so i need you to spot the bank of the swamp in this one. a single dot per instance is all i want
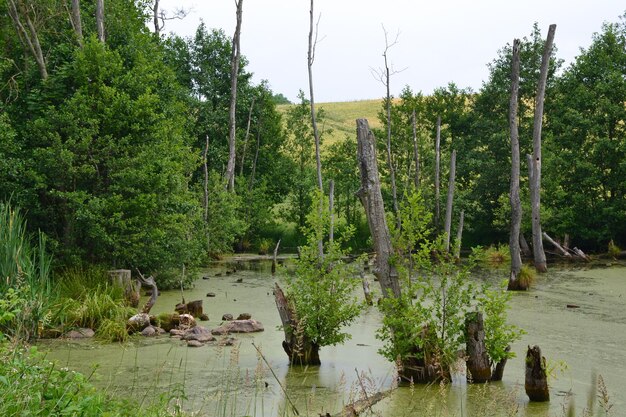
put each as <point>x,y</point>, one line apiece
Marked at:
<point>590,338</point>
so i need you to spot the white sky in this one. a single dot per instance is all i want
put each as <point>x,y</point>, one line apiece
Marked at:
<point>440,41</point>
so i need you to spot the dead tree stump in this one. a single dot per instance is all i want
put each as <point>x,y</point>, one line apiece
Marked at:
<point>297,346</point>
<point>478,363</point>
<point>536,383</point>
<point>122,278</point>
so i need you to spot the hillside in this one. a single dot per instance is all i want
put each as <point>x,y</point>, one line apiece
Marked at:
<point>340,117</point>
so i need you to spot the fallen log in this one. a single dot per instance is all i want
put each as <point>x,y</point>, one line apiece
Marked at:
<point>558,247</point>
<point>356,408</point>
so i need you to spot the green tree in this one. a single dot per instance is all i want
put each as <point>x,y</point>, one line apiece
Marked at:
<point>586,143</point>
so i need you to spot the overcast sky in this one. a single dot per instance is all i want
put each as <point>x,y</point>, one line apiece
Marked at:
<point>439,40</point>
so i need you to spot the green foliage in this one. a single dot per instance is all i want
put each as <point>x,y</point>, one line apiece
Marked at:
<point>437,297</point>
<point>498,334</point>
<point>613,249</point>
<point>321,290</point>
<point>495,255</point>
<point>25,290</point>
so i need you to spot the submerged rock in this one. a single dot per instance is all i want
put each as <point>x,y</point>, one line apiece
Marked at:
<point>244,316</point>
<point>227,317</point>
<point>239,326</point>
<point>194,343</point>
<point>80,333</point>
<point>227,341</point>
<point>199,333</point>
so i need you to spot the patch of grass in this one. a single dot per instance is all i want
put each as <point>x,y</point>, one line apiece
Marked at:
<point>497,255</point>
<point>340,118</point>
<point>527,276</point>
<point>113,330</point>
<point>613,250</point>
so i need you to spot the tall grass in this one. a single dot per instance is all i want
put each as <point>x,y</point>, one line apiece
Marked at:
<point>25,286</point>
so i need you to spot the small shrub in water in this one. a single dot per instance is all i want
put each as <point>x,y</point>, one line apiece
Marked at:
<point>526,276</point>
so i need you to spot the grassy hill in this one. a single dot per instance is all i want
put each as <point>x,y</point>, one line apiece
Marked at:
<point>340,117</point>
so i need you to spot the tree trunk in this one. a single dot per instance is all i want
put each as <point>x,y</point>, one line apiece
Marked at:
<point>372,200</point>
<point>514,198</point>
<point>331,210</point>
<point>121,278</point>
<point>536,381</point>
<point>498,372</point>
<point>366,290</point>
<point>245,140</point>
<point>523,244</point>
<point>205,169</point>
<point>558,247</point>
<point>316,136</point>
<point>296,345</point>
<point>392,172</point>
<point>448,224</point>
<point>437,169</point>
<point>155,17</point>
<point>234,73</point>
<point>415,152</point>
<point>100,20</point>
<point>535,184</point>
<point>478,364</point>
<point>149,282</point>
<point>459,236</point>
<point>76,22</point>
<point>274,258</point>
<point>30,38</point>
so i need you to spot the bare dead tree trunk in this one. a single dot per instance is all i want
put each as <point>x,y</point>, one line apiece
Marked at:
<point>558,247</point>
<point>76,21</point>
<point>478,364</point>
<point>415,152</point>
<point>331,210</point>
<point>274,260</point>
<point>30,38</point>
<point>366,290</point>
<point>205,168</point>
<point>100,20</point>
<point>536,380</point>
<point>149,282</point>
<point>498,371</point>
<point>514,198</point>
<point>245,140</point>
<point>448,223</point>
<point>523,244</point>
<point>316,136</point>
<point>256,156</point>
<point>392,171</point>
<point>234,72</point>
<point>535,185</point>
<point>437,169</point>
<point>459,236</point>
<point>155,16</point>
<point>372,200</point>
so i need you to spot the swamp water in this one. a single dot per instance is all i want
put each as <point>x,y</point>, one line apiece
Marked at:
<point>234,381</point>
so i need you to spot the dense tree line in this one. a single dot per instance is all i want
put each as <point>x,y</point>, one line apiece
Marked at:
<point>115,142</point>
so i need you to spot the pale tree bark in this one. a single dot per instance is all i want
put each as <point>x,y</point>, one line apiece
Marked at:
<point>415,152</point>
<point>234,72</point>
<point>331,210</point>
<point>100,20</point>
<point>437,170</point>
<point>29,38</point>
<point>535,185</point>
<point>76,21</point>
<point>205,168</point>
<point>155,17</point>
<point>514,198</point>
<point>459,235</point>
<point>245,139</point>
<point>316,135</point>
<point>448,223</point>
<point>372,200</point>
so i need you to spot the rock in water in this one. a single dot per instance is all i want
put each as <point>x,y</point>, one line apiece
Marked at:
<point>80,333</point>
<point>239,326</point>
<point>149,331</point>
<point>244,316</point>
<point>194,343</point>
<point>138,322</point>
<point>199,333</point>
<point>227,317</point>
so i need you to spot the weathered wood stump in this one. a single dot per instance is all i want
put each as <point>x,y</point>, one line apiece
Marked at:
<point>478,363</point>
<point>498,372</point>
<point>423,367</point>
<point>297,346</point>
<point>536,383</point>
<point>122,278</point>
<point>193,307</point>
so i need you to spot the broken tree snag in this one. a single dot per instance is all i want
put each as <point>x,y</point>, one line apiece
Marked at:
<point>234,71</point>
<point>536,383</point>
<point>122,278</point>
<point>422,367</point>
<point>556,245</point>
<point>459,236</point>
<point>535,184</point>
<point>149,282</point>
<point>100,20</point>
<point>366,290</point>
<point>372,200</point>
<point>498,372</point>
<point>514,198</point>
<point>274,258</point>
<point>437,169</point>
<point>478,363</point>
<point>298,348</point>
